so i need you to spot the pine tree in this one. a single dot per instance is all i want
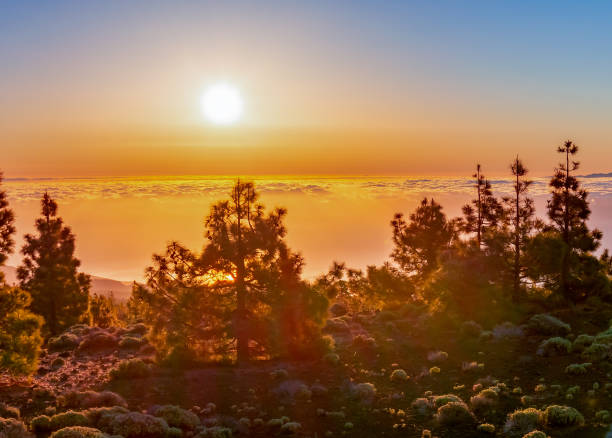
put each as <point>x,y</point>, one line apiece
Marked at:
<point>484,212</point>
<point>20,338</point>
<point>243,295</point>
<point>419,242</point>
<point>49,271</point>
<point>568,210</point>
<point>520,213</point>
<point>7,228</point>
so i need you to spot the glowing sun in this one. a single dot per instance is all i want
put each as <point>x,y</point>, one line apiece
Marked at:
<point>222,104</point>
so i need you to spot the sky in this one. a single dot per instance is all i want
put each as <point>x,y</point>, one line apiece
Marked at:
<point>113,88</point>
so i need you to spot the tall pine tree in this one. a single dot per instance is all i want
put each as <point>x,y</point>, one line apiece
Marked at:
<point>49,271</point>
<point>568,210</point>
<point>520,212</point>
<point>485,210</point>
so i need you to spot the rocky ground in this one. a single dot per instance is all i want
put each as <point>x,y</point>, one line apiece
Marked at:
<point>390,374</point>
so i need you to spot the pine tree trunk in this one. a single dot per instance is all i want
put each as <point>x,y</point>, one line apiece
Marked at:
<point>242,338</point>
<point>517,243</point>
<point>566,239</point>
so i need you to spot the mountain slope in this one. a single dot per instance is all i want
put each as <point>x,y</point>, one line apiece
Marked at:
<point>99,285</point>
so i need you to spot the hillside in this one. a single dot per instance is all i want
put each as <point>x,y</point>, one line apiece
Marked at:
<point>99,285</point>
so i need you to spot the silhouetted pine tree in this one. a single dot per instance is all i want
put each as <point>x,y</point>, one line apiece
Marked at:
<point>419,242</point>
<point>7,228</point>
<point>243,294</point>
<point>49,271</point>
<point>568,210</point>
<point>484,212</point>
<point>520,213</point>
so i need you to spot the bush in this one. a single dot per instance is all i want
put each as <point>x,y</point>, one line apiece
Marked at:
<point>138,425</point>
<point>582,342</point>
<point>486,428</point>
<point>364,391</point>
<point>99,340</point>
<point>40,424</point>
<point>453,414</point>
<point>131,343</point>
<point>101,417</point>
<point>177,417</point>
<point>484,401</point>
<point>437,356</point>
<point>562,416</point>
<point>63,342</point>
<point>471,329</point>
<point>13,428</point>
<point>544,324</point>
<point>399,375</point>
<point>90,399</point>
<point>523,421</point>
<point>441,400</point>
<point>535,434</point>
<point>577,369</point>
<point>130,369</point>
<point>216,432</point>
<point>69,418</point>
<point>603,416</point>
<point>78,432</point>
<point>20,338</point>
<point>7,411</point>
<point>597,352</point>
<point>554,347</point>
<point>290,428</point>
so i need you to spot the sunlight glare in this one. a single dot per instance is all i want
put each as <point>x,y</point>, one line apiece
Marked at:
<point>222,104</point>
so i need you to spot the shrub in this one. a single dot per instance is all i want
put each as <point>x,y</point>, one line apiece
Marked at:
<point>40,424</point>
<point>597,352</point>
<point>434,370</point>
<point>364,391</point>
<point>441,400</point>
<point>535,434</point>
<point>555,346</point>
<point>577,369</point>
<point>215,432</point>
<point>279,374</point>
<point>454,413</point>
<point>486,428</point>
<point>63,342</point>
<point>101,417</point>
<point>7,411</point>
<point>78,432</point>
<point>399,375</point>
<point>471,329</point>
<point>484,400</point>
<point>290,428</point>
<point>523,421</point>
<point>90,399</point>
<point>69,418</point>
<point>98,341</point>
<point>336,325</point>
<point>177,417</point>
<point>332,358</point>
<point>130,369</point>
<point>131,343</point>
<point>13,428</point>
<point>437,356</point>
<point>507,330</point>
<point>544,324</point>
<point>603,416</point>
<point>138,425</point>
<point>582,342</point>
<point>562,416</point>
<point>364,342</point>
<point>422,406</point>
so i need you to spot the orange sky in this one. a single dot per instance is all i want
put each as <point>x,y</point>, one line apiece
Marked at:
<point>89,89</point>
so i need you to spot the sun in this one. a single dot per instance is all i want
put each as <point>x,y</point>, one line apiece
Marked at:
<point>222,104</point>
